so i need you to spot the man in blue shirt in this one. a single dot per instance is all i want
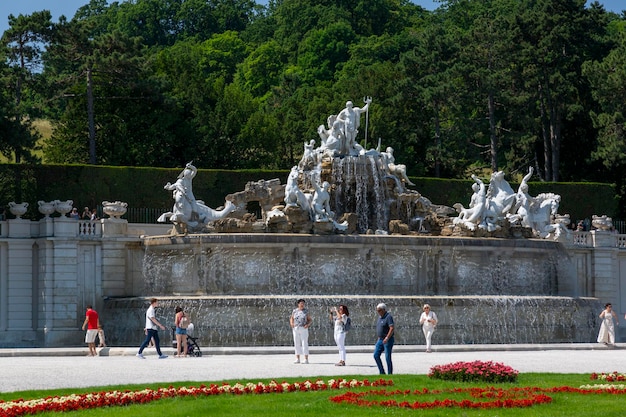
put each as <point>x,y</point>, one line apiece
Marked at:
<point>384,331</point>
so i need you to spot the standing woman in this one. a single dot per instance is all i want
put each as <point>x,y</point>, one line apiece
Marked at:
<point>340,318</point>
<point>607,329</point>
<point>181,321</point>
<point>428,320</point>
<point>300,322</point>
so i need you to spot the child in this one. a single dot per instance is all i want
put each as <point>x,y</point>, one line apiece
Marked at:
<point>101,337</point>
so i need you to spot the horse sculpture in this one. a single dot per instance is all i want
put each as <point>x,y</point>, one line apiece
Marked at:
<point>189,214</point>
<point>542,215</point>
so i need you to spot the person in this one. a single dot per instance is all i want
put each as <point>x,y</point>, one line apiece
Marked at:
<point>350,117</point>
<point>152,330</point>
<point>74,214</point>
<point>181,332</point>
<point>300,320</point>
<point>86,214</point>
<point>91,324</point>
<point>101,337</point>
<point>340,318</point>
<point>607,329</point>
<point>94,215</point>
<point>385,341</point>
<point>428,320</point>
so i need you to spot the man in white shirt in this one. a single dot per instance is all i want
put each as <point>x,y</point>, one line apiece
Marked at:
<point>152,330</point>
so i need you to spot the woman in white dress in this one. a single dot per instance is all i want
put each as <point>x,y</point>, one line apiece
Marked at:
<point>607,329</point>
<point>428,320</point>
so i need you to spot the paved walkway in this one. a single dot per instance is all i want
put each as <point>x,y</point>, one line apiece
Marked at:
<point>24,369</point>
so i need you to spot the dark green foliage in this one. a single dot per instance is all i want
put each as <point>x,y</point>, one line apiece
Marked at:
<point>230,84</point>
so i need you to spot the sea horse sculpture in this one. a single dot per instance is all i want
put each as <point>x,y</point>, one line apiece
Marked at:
<point>189,214</point>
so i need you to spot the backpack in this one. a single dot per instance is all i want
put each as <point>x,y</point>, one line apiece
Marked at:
<point>348,325</point>
<point>183,323</point>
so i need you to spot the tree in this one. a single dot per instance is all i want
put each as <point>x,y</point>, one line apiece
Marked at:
<point>23,42</point>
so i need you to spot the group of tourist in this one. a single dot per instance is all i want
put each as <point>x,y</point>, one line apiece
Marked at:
<point>300,321</point>
<point>87,214</point>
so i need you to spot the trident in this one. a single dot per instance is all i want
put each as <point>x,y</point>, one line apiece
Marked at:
<point>366,100</point>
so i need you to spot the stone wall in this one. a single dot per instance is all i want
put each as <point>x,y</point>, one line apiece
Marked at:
<point>51,269</point>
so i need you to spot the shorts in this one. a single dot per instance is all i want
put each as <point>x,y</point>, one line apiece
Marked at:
<point>90,336</point>
<point>181,331</point>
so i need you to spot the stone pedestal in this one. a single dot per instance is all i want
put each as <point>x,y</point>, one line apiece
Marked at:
<point>46,227</point>
<point>114,227</point>
<point>19,228</point>
<point>65,227</point>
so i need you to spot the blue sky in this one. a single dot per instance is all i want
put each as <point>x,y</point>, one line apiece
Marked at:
<point>69,7</point>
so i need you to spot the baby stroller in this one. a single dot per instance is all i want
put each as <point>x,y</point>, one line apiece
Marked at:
<point>192,345</point>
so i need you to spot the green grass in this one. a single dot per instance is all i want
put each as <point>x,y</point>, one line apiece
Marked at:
<point>310,404</point>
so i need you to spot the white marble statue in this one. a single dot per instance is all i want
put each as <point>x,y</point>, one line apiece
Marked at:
<point>350,117</point>
<point>321,202</point>
<point>293,195</point>
<point>309,157</point>
<point>189,213</point>
<point>399,170</point>
<point>524,203</point>
<point>472,216</point>
<point>487,210</point>
<point>542,216</point>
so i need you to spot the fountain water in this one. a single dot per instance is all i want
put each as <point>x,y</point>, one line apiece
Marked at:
<point>240,288</point>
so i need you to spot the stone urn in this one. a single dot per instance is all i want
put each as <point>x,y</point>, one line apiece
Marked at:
<point>63,207</point>
<point>115,210</point>
<point>46,207</point>
<point>603,222</point>
<point>18,209</point>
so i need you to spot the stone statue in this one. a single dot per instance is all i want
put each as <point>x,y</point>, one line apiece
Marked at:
<point>309,157</point>
<point>189,214</point>
<point>524,202</point>
<point>350,117</point>
<point>472,216</point>
<point>321,202</point>
<point>392,168</point>
<point>542,216</point>
<point>293,195</point>
<point>334,142</point>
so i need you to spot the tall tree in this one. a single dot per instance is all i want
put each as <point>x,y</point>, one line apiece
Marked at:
<point>24,43</point>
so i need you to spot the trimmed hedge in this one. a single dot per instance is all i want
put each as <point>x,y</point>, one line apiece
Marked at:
<point>89,185</point>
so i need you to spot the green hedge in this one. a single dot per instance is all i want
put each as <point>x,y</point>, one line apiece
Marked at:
<point>143,187</point>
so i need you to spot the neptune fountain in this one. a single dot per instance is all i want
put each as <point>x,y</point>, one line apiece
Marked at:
<point>346,228</point>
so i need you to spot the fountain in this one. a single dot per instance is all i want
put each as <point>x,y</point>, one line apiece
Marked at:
<point>345,228</point>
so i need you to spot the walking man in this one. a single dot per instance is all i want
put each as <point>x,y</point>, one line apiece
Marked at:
<point>91,324</point>
<point>384,331</point>
<point>152,331</point>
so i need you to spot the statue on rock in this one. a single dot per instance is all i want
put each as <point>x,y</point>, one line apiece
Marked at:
<point>472,216</point>
<point>189,214</point>
<point>350,118</point>
<point>500,204</point>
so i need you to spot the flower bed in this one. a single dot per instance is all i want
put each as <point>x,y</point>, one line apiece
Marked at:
<point>117,398</point>
<point>610,377</point>
<point>483,398</point>
<point>477,371</point>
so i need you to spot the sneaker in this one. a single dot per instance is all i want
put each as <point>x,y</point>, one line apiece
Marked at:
<point>140,356</point>
<point>296,361</point>
<point>162,356</point>
<point>306,361</point>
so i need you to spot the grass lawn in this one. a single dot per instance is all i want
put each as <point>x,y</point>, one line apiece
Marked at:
<point>317,403</point>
